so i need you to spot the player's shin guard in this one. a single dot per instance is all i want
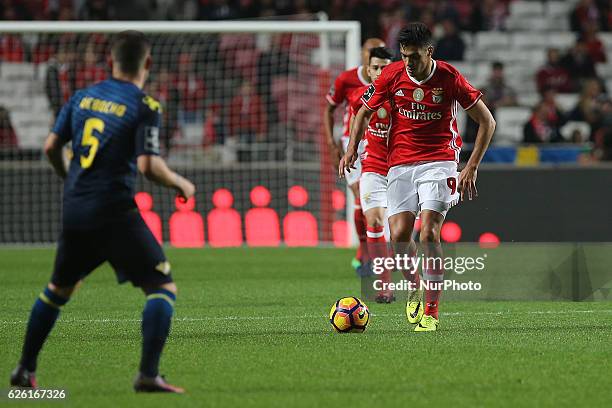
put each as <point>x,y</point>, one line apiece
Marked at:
<point>377,249</point>
<point>360,227</point>
<point>44,313</point>
<point>156,319</point>
<point>434,279</point>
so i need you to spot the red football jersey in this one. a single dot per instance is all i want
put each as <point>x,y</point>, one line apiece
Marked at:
<point>424,113</point>
<point>341,89</point>
<point>374,157</point>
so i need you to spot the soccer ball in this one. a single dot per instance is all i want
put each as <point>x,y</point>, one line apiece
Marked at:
<point>349,315</point>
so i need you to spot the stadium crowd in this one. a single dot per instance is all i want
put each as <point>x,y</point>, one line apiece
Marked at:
<point>187,95</point>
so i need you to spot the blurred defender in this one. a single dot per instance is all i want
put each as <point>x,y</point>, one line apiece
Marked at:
<point>339,93</point>
<point>113,129</point>
<point>374,167</point>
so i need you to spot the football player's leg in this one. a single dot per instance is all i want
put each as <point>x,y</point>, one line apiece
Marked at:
<point>378,249</point>
<point>136,256</point>
<point>360,225</point>
<point>433,272</point>
<point>75,258</point>
<point>43,315</point>
<point>437,194</point>
<point>156,320</point>
<point>373,189</point>
<point>402,199</point>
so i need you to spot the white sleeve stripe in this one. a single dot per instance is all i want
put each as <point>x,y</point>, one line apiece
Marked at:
<point>474,103</point>
<point>366,105</point>
<point>330,100</point>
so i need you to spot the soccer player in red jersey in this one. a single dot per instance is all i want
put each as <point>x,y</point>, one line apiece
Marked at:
<point>338,94</point>
<point>374,168</point>
<point>424,146</point>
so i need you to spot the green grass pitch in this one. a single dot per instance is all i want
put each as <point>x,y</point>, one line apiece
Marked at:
<point>251,329</point>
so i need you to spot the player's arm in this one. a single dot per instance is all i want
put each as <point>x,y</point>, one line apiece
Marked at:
<point>58,137</point>
<point>335,97</point>
<point>54,151</point>
<point>149,163</point>
<point>155,169</point>
<point>359,125</point>
<point>486,126</point>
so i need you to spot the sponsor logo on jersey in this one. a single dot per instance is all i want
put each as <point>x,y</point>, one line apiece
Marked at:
<point>418,94</point>
<point>399,93</point>
<point>437,95</point>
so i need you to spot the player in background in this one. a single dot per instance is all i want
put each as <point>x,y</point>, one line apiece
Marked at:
<point>113,129</point>
<point>374,168</point>
<point>344,84</point>
<point>424,146</point>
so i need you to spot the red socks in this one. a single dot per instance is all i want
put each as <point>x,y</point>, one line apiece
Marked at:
<point>377,248</point>
<point>360,227</point>
<point>432,295</point>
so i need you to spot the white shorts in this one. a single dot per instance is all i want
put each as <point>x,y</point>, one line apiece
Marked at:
<point>373,191</point>
<point>355,174</point>
<point>422,186</point>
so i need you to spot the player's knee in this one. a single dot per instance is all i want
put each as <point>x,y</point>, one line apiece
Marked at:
<point>374,219</point>
<point>429,233</point>
<point>170,287</point>
<point>400,234</point>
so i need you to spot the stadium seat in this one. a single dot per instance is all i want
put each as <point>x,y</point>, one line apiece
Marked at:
<point>604,70</point>
<point>466,68</point>
<point>528,100</point>
<point>558,8</point>
<point>489,40</point>
<point>299,227</point>
<point>561,40</point>
<point>532,23</point>
<point>567,102</point>
<point>510,124</point>
<point>526,8</point>
<point>606,39</point>
<point>224,222</point>
<point>144,201</point>
<point>16,70</point>
<point>186,225</point>
<point>526,40</point>
<point>262,225</point>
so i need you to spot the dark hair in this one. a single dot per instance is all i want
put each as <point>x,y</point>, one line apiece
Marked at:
<point>129,50</point>
<point>497,65</point>
<point>381,52</point>
<point>415,34</point>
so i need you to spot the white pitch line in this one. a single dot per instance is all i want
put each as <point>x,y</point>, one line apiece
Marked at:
<point>201,319</point>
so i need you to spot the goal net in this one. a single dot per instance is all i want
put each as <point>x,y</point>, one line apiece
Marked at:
<point>242,108</point>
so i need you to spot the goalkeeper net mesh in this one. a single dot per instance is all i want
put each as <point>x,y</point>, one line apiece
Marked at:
<point>242,119</point>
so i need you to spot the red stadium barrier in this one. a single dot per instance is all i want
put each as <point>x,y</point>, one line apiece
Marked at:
<point>300,227</point>
<point>186,225</point>
<point>262,225</point>
<point>144,201</point>
<point>224,222</point>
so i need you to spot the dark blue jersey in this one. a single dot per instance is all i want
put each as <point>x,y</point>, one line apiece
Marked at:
<point>109,125</point>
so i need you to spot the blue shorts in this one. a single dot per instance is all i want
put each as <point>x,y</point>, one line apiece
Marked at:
<point>125,242</point>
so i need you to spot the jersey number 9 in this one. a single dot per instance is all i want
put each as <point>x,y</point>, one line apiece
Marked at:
<point>90,140</point>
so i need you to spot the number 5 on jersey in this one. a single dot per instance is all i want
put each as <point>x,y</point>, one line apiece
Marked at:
<point>90,140</point>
